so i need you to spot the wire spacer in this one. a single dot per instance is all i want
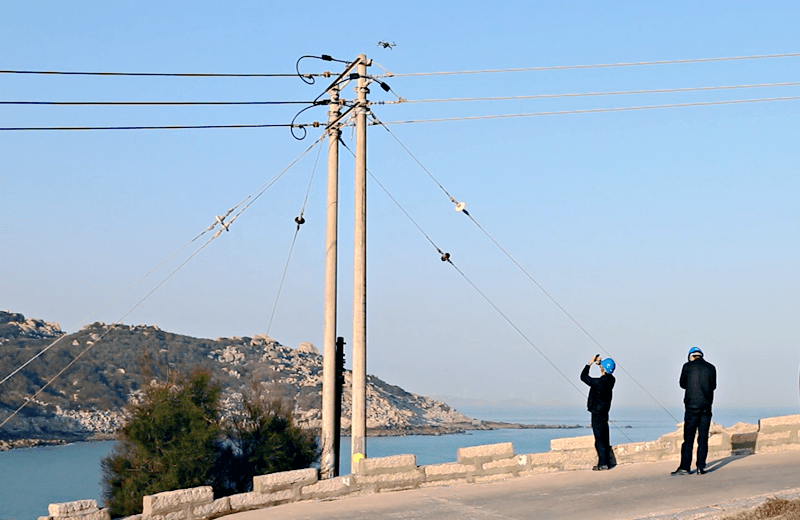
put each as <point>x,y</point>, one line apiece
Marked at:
<point>460,206</point>
<point>300,220</point>
<point>445,257</point>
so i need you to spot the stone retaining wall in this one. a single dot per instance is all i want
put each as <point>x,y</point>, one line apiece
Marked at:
<point>474,464</point>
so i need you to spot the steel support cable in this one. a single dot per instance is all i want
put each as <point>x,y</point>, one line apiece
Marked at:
<point>300,221</point>
<point>410,218</point>
<point>566,313</point>
<point>446,258</point>
<point>595,66</point>
<point>593,110</point>
<point>532,279</point>
<point>223,226</point>
<point>531,343</point>
<point>131,286</point>
<point>109,302</point>
<point>402,100</point>
<point>74,360</point>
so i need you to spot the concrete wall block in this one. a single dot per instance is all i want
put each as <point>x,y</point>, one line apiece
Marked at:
<point>550,458</point>
<point>441,483</point>
<point>103,514</point>
<point>214,509</point>
<point>174,515</point>
<point>572,443</point>
<point>173,500</point>
<point>72,508</point>
<point>483,479</point>
<point>329,488</point>
<point>392,464</point>
<point>776,422</point>
<point>450,470</point>
<point>495,467</point>
<point>485,453</point>
<point>385,481</point>
<point>253,500</point>
<point>285,479</point>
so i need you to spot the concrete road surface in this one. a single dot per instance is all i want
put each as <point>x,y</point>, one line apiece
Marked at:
<point>626,492</point>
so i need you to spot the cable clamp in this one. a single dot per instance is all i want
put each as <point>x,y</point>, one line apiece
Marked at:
<point>221,222</point>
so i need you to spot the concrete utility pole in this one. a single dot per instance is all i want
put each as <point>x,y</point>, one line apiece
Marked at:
<point>329,463</point>
<point>358,445</point>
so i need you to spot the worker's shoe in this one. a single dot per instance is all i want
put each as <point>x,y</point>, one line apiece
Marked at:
<point>701,471</point>
<point>681,471</point>
<point>600,467</point>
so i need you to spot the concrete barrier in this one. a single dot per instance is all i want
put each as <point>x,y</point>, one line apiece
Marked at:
<point>473,464</point>
<point>778,434</point>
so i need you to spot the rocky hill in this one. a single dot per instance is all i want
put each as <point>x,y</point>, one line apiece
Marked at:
<point>87,400</point>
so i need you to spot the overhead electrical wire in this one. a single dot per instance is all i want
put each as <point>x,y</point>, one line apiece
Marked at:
<point>165,127</point>
<point>594,66</point>
<point>224,226</point>
<point>159,74</point>
<point>587,94</point>
<point>519,266</point>
<point>589,111</point>
<point>161,103</point>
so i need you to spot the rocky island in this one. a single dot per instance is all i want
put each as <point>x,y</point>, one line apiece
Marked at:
<point>115,361</point>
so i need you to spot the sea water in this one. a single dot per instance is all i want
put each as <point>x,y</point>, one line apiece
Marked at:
<point>32,478</point>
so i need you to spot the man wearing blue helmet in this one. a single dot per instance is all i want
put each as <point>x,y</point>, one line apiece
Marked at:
<point>699,379</point>
<point>599,404</point>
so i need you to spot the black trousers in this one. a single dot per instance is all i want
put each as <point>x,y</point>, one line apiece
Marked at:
<point>601,442</point>
<point>695,422</point>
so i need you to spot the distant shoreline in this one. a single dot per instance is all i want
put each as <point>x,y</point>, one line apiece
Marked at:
<point>10,444</point>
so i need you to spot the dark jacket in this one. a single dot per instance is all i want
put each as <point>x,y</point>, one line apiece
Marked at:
<point>599,391</point>
<point>699,379</point>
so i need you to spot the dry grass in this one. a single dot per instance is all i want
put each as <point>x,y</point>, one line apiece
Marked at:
<point>772,509</point>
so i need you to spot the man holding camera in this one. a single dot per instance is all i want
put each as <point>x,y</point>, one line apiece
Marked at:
<point>599,404</point>
<point>699,379</point>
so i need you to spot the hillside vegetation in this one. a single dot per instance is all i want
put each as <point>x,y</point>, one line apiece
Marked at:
<point>86,400</point>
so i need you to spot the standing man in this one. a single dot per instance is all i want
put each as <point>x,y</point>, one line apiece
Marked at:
<point>699,379</point>
<point>599,403</point>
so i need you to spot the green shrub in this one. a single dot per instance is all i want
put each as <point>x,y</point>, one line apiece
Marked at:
<point>171,442</point>
<point>261,439</point>
<point>175,440</point>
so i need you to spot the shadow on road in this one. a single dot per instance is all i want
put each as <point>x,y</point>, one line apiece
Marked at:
<point>719,463</point>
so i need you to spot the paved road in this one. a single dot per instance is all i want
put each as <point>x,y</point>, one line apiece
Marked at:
<point>626,492</point>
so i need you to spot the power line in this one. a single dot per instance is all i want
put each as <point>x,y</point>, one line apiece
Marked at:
<point>160,74</point>
<point>160,103</point>
<point>589,94</point>
<point>591,110</point>
<point>595,66</point>
<point>166,127</point>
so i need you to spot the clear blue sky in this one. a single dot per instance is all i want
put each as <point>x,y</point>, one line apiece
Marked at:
<point>656,229</point>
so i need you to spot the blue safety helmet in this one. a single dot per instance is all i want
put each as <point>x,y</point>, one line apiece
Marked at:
<point>608,365</point>
<point>695,350</point>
